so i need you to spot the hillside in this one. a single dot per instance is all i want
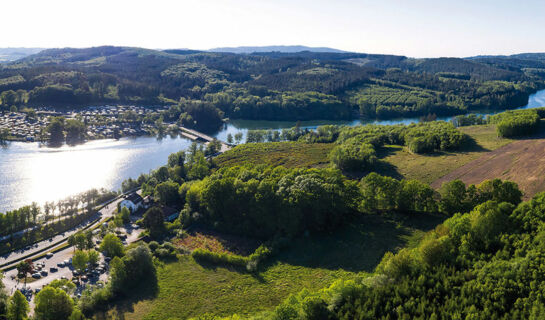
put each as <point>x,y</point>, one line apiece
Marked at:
<point>268,85</point>
<point>520,161</point>
<point>285,49</point>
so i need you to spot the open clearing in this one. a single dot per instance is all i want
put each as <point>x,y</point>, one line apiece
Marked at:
<point>398,162</point>
<point>287,154</point>
<point>187,289</point>
<point>522,161</point>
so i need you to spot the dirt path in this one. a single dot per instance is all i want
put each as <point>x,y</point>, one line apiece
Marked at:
<point>521,161</point>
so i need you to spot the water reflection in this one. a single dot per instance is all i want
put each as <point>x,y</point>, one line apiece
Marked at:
<point>31,172</point>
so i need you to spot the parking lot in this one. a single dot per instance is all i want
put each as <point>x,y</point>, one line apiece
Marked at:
<point>58,266</point>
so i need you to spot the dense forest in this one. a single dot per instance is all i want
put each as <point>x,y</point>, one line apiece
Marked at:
<point>271,86</point>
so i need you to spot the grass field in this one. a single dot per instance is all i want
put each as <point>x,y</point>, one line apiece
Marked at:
<point>396,161</point>
<point>287,154</point>
<point>428,168</point>
<point>187,289</point>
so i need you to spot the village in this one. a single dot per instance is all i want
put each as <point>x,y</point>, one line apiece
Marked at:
<point>101,122</point>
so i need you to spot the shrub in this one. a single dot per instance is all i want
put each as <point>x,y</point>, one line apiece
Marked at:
<point>153,245</point>
<point>353,156</point>
<point>516,123</point>
<point>202,255</point>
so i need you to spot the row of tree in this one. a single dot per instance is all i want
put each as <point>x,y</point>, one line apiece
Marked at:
<point>382,193</point>
<point>33,215</point>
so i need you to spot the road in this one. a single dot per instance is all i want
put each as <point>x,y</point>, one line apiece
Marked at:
<point>12,283</point>
<point>15,256</point>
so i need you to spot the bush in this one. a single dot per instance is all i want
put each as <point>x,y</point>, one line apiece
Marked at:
<point>222,258</point>
<point>353,156</point>
<point>153,245</point>
<point>516,123</point>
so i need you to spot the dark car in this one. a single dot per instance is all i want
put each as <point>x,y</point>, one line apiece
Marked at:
<point>53,269</point>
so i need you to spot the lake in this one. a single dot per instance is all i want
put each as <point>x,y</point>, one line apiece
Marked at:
<point>31,172</point>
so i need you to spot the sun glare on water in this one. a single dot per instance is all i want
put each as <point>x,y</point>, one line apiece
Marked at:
<point>29,173</point>
<point>58,174</point>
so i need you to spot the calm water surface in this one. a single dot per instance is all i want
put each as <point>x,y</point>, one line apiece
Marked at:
<point>30,172</point>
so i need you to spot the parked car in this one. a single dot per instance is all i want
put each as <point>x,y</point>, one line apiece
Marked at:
<point>49,255</point>
<point>60,264</point>
<point>36,276</point>
<point>53,269</point>
<point>43,273</point>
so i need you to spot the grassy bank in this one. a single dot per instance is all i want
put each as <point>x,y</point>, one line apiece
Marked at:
<point>430,167</point>
<point>187,289</point>
<point>287,154</point>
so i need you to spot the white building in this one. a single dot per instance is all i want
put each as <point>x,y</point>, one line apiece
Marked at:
<point>132,201</point>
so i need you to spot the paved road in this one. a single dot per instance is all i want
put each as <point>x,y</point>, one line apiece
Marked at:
<point>15,256</point>
<point>12,283</point>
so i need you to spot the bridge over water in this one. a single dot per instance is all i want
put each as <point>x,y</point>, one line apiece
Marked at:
<point>199,136</point>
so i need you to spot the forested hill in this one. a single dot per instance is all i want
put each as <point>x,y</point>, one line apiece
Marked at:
<point>270,85</point>
<point>292,49</point>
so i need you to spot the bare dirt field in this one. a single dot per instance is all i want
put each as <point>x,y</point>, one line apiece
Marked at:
<point>521,161</point>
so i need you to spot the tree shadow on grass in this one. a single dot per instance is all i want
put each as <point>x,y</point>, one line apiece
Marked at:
<point>381,167</point>
<point>471,145</point>
<point>387,169</point>
<point>234,268</point>
<point>148,289</point>
<point>358,246</point>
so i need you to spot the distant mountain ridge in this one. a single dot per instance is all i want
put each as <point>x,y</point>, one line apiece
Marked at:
<point>283,48</point>
<point>12,54</point>
<point>208,86</point>
<point>524,55</point>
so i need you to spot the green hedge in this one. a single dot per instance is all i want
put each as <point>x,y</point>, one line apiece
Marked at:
<point>516,123</point>
<point>251,262</point>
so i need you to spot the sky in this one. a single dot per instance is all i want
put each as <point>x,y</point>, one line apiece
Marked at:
<point>415,28</point>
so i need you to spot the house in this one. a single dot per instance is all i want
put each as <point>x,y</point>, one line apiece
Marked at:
<point>169,213</point>
<point>132,201</point>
